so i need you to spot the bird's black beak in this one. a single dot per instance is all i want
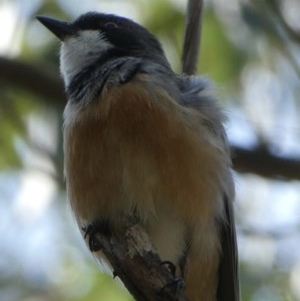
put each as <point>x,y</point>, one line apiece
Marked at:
<point>60,28</point>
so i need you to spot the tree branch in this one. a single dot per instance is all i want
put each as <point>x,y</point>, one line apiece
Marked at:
<point>261,162</point>
<point>41,80</point>
<point>135,261</point>
<point>192,36</point>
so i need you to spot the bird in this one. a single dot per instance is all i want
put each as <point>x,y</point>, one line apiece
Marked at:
<point>142,140</point>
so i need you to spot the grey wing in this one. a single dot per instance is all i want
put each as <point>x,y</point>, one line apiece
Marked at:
<point>228,284</point>
<point>197,92</point>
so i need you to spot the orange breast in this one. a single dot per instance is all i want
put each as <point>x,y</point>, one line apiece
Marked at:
<point>135,149</point>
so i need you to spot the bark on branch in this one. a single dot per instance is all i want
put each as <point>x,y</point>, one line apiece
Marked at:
<point>136,263</point>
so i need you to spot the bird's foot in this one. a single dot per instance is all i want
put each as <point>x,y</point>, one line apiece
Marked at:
<point>91,230</point>
<point>177,283</point>
<point>171,266</point>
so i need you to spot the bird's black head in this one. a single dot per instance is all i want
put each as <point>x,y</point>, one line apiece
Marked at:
<point>96,35</point>
<point>122,33</point>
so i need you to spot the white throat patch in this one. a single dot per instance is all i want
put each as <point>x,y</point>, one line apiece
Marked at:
<point>80,51</point>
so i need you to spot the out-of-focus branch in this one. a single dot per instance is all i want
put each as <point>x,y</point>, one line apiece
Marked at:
<point>41,80</point>
<point>275,233</point>
<point>261,162</point>
<point>192,36</point>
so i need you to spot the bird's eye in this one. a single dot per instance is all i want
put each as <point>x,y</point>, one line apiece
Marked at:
<point>110,25</point>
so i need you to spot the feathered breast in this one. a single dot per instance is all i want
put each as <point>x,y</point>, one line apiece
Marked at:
<point>134,148</point>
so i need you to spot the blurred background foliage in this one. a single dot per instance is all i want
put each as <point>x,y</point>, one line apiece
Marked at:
<point>250,48</point>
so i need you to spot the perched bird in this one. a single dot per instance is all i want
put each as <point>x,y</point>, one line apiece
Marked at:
<point>142,140</point>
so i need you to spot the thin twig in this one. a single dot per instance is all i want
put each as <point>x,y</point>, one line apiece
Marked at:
<point>192,36</point>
